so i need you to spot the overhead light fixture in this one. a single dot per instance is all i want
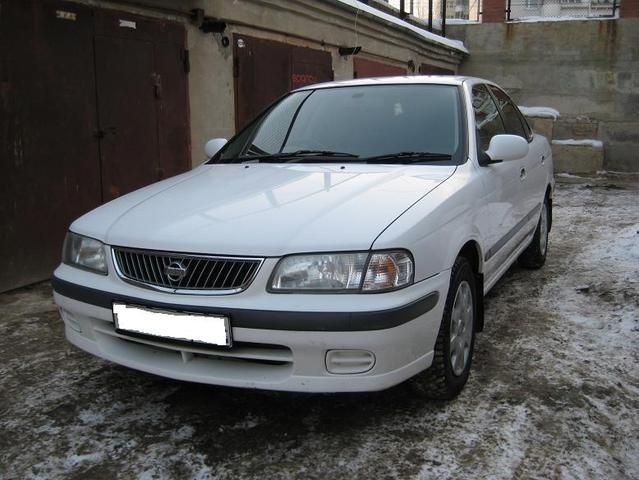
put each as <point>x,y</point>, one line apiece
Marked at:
<point>346,51</point>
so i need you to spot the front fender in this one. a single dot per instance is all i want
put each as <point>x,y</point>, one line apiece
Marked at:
<point>437,227</point>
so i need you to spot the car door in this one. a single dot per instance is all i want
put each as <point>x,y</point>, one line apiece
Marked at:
<point>499,212</point>
<point>533,173</point>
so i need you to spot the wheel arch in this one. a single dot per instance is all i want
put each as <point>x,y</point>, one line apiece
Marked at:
<point>548,199</point>
<point>471,251</point>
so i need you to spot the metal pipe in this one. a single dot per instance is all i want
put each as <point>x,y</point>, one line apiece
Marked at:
<point>444,17</point>
<point>430,15</point>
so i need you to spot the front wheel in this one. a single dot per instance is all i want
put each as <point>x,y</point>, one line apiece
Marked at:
<point>448,374</point>
<point>535,254</point>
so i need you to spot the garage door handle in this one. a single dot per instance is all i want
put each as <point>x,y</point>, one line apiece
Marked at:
<point>522,174</point>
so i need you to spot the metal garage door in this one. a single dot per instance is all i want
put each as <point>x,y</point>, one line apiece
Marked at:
<point>364,68</point>
<point>71,139</point>
<point>427,69</point>
<point>142,101</point>
<point>265,69</point>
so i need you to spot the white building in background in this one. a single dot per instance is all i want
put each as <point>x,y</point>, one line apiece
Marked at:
<point>562,8</point>
<point>459,9</point>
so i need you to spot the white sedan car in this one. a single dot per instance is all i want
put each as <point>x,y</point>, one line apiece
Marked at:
<point>343,241</point>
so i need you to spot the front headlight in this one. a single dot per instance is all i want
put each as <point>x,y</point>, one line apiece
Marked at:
<point>84,252</point>
<point>343,272</point>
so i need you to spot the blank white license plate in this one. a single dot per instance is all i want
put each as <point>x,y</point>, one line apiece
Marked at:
<point>188,327</point>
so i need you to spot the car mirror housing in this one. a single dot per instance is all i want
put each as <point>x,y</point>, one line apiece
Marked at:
<point>213,146</point>
<point>503,148</point>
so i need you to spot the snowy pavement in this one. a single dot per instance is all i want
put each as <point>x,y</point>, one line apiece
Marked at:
<point>554,391</point>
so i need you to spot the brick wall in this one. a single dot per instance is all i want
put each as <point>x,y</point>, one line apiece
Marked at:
<point>494,11</point>
<point>629,8</point>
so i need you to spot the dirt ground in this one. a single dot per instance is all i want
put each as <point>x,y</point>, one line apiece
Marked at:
<point>554,392</point>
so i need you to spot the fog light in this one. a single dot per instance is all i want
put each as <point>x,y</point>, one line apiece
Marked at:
<point>349,361</point>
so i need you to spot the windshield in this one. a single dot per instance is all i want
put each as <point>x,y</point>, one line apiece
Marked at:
<point>384,123</point>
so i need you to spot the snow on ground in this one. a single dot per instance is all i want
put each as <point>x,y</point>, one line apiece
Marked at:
<point>585,142</point>
<point>540,112</point>
<point>554,391</point>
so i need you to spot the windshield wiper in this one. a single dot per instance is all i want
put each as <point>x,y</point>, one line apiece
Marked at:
<point>408,157</point>
<point>304,155</point>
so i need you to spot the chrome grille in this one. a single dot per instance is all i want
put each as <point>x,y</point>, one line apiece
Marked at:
<point>177,272</point>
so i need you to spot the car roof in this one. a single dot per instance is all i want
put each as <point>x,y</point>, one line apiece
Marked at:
<point>400,80</point>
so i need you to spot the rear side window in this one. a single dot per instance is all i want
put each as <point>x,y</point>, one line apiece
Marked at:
<point>510,114</point>
<point>487,119</point>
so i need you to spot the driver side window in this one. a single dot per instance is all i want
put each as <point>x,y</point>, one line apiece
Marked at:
<point>487,119</point>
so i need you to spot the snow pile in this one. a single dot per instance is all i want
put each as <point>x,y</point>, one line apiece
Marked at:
<point>357,5</point>
<point>460,21</point>
<point>538,19</point>
<point>540,112</point>
<point>583,143</point>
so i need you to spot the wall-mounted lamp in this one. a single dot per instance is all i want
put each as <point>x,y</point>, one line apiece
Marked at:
<point>207,24</point>
<point>212,25</point>
<point>346,51</point>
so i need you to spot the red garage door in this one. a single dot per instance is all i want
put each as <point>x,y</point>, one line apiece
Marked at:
<point>142,101</point>
<point>363,68</point>
<point>426,69</point>
<point>265,70</point>
<point>93,104</point>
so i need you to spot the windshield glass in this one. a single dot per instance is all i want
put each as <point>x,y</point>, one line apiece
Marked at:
<point>355,123</point>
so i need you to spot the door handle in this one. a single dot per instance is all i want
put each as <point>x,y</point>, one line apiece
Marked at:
<point>522,174</point>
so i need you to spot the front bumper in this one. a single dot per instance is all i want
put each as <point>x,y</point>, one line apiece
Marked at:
<point>279,348</point>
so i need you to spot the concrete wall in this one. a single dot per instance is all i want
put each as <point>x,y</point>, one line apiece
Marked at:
<point>319,24</point>
<point>588,70</point>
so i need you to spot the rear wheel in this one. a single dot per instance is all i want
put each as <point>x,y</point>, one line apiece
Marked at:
<point>535,254</point>
<point>448,374</point>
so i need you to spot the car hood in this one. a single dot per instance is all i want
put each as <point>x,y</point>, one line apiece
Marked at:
<point>263,209</point>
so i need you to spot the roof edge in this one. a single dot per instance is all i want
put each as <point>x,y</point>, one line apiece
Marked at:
<point>355,6</point>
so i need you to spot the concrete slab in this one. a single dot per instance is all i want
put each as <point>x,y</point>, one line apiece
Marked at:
<point>577,158</point>
<point>543,126</point>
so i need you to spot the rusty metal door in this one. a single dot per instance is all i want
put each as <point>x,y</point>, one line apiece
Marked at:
<point>70,140</point>
<point>142,101</point>
<point>265,70</point>
<point>49,171</point>
<point>309,66</point>
<point>364,68</point>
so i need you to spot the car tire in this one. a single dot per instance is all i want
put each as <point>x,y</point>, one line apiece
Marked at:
<point>447,375</point>
<point>535,254</point>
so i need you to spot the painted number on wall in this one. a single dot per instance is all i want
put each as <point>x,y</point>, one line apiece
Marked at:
<point>301,79</point>
<point>63,15</point>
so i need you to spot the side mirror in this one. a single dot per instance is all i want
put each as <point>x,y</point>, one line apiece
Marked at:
<point>213,146</point>
<point>503,148</point>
